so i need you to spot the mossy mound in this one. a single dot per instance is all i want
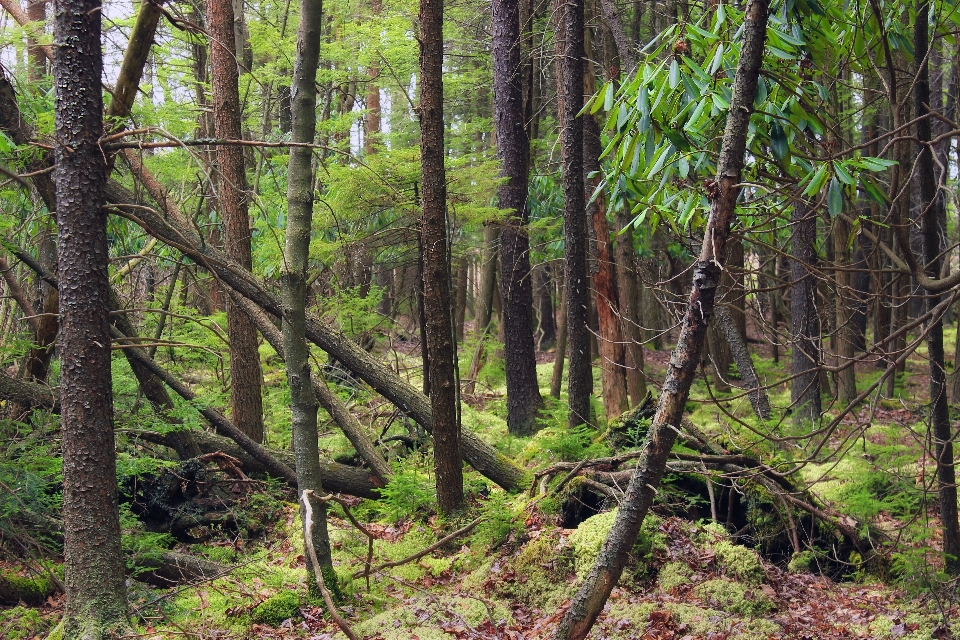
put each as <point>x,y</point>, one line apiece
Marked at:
<point>734,597</point>
<point>15,589</point>
<point>739,562</point>
<point>673,575</point>
<point>427,618</point>
<point>627,621</point>
<point>273,611</point>
<point>588,538</point>
<point>536,575</point>
<point>20,623</point>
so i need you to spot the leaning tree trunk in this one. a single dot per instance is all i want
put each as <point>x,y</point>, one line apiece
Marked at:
<point>513,149</point>
<point>245,372</point>
<point>569,17</point>
<point>93,560</point>
<point>593,594</point>
<point>939,413</point>
<point>303,401</point>
<point>436,266</point>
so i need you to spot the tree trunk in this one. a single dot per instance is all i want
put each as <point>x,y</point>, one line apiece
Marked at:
<point>460,305</point>
<point>488,276</point>
<point>436,273</point>
<point>846,378</point>
<point>513,150</point>
<point>805,329</point>
<point>939,413</point>
<point>569,18</point>
<point>556,380</point>
<point>628,284</point>
<point>547,320</point>
<point>245,372</point>
<point>303,400</point>
<point>96,604</point>
<point>613,373</point>
<point>590,599</point>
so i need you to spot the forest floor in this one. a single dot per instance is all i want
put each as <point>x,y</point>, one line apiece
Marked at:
<point>512,575</point>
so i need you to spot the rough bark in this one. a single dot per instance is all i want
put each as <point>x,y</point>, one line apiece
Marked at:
<point>805,322</point>
<point>460,303</point>
<point>245,371</point>
<point>939,411</point>
<point>436,266</point>
<point>593,594</point>
<point>547,319</point>
<point>134,58</point>
<point>296,349</point>
<point>570,85</point>
<point>513,150</point>
<point>845,300</point>
<point>96,604</point>
<point>37,58</point>
<point>741,355</point>
<point>556,381</point>
<point>27,394</point>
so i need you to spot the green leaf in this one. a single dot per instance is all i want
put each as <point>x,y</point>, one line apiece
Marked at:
<point>677,139</point>
<point>674,74</point>
<point>843,174</point>
<point>876,164</point>
<point>873,190</point>
<point>683,167</point>
<point>762,93</point>
<point>835,198</point>
<point>778,142</point>
<point>608,97</point>
<point>816,182</point>
<point>717,59</point>
<point>6,144</point>
<point>720,103</point>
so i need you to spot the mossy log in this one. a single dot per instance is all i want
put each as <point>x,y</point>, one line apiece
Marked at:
<point>15,589</point>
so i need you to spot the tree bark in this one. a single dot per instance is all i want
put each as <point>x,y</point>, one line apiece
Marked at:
<point>96,604</point>
<point>436,272</point>
<point>513,150</point>
<point>556,381</point>
<point>245,372</point>
<point>593,594</point>
<point>939,411</point>
<point>805,322</point>
<point>296,350</point>
<point>547,323</point>
<point>569,17</point>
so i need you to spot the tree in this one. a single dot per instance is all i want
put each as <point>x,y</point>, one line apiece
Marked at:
<point>436,264</point>
<point>245,371</point>
<point>805,329</point>
<point>596,588</point>
<point>303,401</point>
<point>569,17</point>
<point>513,149</point>
<point>93,562</point>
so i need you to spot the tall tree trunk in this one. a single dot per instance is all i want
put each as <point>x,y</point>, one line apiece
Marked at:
<point>513,150</point>
<point>460,303</point>
<point>847,378</point>
<point>245,372</point>
<point>613,374</point>
<point>939,414</point>
<point>548,324</point>
<point>303,400</point>
<point>436,275</point>
<point>569,17</point>
<point>556,381</point>
<point>805,329</point>
<point>628,284</point>
<point>592,595</point>
<point>93,560</point>
<point>36,57</point>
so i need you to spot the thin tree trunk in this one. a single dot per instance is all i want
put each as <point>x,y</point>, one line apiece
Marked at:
<point>846,378</point>
<point>436,272</point>
<point>592,595</point>
<point>570,85</point>
<point>303,400</point>
<point>939,413</point>
<point>560,354</point>
<point>245,372</point>
<point>96,604</point>
<point>460,303</point>
<point>513,150</point>
<point>805,330</point>
<point>628,284</point>
<point>548,324</point>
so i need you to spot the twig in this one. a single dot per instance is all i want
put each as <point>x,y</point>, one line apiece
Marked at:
<point>308,543</point>
<point>436,545</point>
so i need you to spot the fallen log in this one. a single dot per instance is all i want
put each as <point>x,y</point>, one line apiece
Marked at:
<point>169,569</point>
<point>336,477</point>
<point>28,394</point>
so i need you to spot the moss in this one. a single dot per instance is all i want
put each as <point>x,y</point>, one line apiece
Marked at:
<point>697,622</point>
<point>674,574</point>
<point>733,597</point>
<point>536,575</point>
<point>15,589</point>
<point>21,623</point>
<point>709,534</point>
<point>588,538</point>
<point>883,627</point>
<point>422,617</point>
<point>801,562</point>
<point>273,611</point>
<point>739,561</point>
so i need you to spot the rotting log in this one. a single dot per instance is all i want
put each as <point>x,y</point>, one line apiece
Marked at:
<point>28,394</point>
<point>169,569</point>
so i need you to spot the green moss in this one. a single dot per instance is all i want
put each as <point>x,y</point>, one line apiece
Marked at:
<point>22,622</point>
<point>535,575</point>
<point>30,590</point>
<point>698,622</point>
<point>273,611</point>
<point>673,575</point>
<point>422,617</point>
<point>883,627</point>
<point>738,561</point>
<point>588,538</point>
<point>801,562</point>
<point>710,533</point>
<point>733,597</point>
